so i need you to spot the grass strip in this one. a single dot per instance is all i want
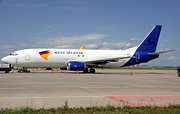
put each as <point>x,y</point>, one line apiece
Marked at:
<point>144,68</point>
<point>172,109</point>
<point>134,68</point>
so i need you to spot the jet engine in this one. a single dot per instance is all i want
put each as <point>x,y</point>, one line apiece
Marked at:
<point>75,65</point>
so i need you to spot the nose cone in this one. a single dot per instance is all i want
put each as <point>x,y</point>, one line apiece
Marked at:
<point>4,59</point>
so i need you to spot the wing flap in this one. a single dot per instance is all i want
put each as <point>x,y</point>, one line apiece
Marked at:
<point>157,53</point>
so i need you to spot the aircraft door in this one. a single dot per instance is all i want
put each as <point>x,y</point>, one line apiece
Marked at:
<point>16,60</point>
<point>27,55</point>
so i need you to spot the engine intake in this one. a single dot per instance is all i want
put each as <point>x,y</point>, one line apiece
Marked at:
<point>74,65</point>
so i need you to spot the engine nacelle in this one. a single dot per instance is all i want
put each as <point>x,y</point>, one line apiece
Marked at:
<point>75,65</point>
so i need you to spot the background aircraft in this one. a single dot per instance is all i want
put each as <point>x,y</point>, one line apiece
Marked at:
<point>82,59</point>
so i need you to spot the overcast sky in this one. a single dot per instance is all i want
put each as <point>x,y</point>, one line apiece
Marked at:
<point>96,24</point>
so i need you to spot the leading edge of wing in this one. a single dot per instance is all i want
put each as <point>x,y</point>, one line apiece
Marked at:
<point>107,59</point>
<point>157,53</point>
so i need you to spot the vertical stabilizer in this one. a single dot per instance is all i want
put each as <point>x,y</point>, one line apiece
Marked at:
<point>149,44</point>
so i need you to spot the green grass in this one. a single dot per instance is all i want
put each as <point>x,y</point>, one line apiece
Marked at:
<point>172,109</point>
<point>145,68</point>
<point>136,68</point>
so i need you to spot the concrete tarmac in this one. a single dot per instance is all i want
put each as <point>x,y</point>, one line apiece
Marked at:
<point>106,87</point>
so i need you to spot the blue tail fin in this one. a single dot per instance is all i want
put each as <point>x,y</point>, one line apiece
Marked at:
<point>149,44</point>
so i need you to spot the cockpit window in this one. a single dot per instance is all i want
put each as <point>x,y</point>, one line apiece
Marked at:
<point>13,54</point>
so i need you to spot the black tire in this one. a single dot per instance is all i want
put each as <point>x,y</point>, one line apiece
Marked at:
<point>7,71</point>
<point>178,75</point>
<point>92,71</point>
<point>85,70</point>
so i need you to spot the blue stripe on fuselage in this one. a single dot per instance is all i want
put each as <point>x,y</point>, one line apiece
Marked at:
<point>140,57</point>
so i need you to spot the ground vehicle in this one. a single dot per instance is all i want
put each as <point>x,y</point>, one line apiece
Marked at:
<point>5,67</point>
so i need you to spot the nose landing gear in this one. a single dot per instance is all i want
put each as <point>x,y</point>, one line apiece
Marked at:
<point>23,70</point>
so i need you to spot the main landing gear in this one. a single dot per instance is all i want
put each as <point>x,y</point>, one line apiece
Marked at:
<point>85,70</point>
<point>91,70</point>
<point>23,70</point>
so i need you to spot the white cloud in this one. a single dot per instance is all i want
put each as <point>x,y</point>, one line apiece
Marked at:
<point>6,49</point>
<point>24,5</point>
<point>49,26</point>
<point>90,37</point>
<point>74,2</point>
<point>66,8</point>
<point>171,58</point>
<point>118,45</point>
<point>70,41</point>
<point>63,46</point>
<point>23,45</point>
<point>133,39</point>
<point>167,40</point>
<point>90,41</point>
<point>7,46</point>
<point>166,49</point>
<point>108,46</point>
<point>92,46</point>
<point>5,52</point>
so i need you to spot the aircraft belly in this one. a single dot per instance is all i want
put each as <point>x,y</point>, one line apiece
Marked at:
<point>51,64</point>
<point>113,64</point>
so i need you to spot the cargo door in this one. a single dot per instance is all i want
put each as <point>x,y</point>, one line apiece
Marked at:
<point>27,55</point>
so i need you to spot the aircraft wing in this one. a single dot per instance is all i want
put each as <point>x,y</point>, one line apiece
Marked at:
<point>157,53</point>
<point>101,61</point>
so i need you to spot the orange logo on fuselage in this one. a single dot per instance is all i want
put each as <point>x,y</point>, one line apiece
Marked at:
<point>45,54</point>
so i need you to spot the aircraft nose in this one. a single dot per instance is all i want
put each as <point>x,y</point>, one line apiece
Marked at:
<point>4,59</point>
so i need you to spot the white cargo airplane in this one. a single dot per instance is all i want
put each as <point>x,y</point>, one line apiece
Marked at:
<point>80,59</point>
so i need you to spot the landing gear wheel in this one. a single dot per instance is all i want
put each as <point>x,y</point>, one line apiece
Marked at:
<point>7,71</point>
<point>19,71</point>
<point>92,71</point>
<point>25,70</point>
<point>85,70</point>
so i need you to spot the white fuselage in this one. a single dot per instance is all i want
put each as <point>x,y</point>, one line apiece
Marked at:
<point>60,57</point>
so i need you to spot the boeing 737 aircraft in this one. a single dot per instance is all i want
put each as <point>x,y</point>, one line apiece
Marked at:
<point>82,59</point>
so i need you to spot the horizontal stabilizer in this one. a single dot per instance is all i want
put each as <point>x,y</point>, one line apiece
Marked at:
<point>157,53</point>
